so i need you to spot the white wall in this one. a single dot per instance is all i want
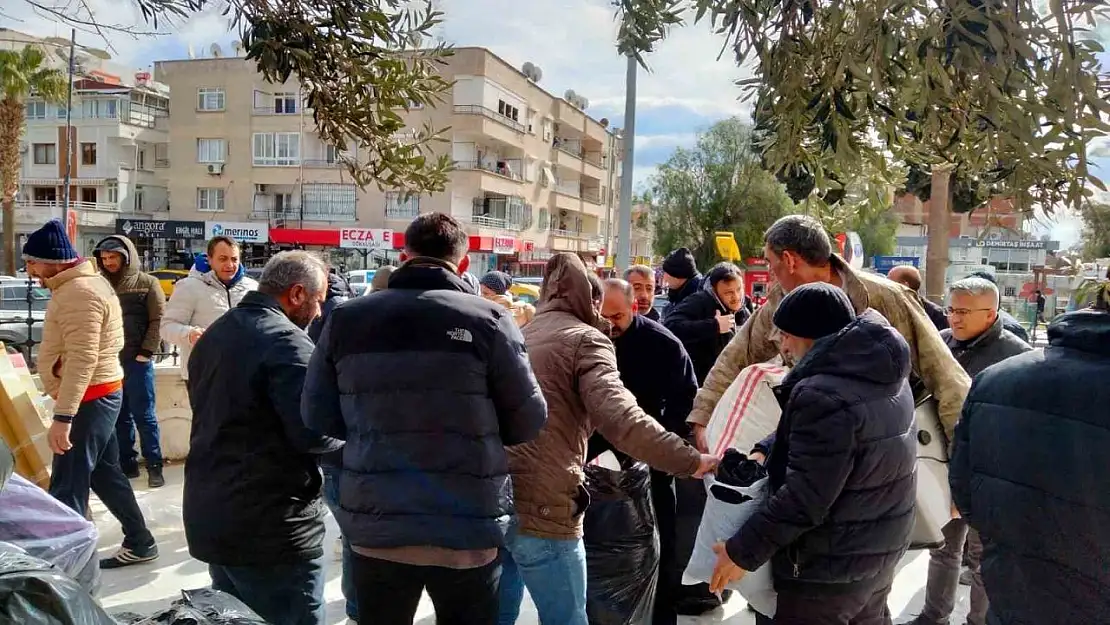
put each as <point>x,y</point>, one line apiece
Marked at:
<point>492,92</point>
<point>468,91</point>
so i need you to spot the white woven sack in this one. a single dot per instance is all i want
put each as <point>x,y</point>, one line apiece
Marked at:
<point>748,411</point>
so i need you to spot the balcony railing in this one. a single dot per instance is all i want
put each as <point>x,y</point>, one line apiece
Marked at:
<point>401,212</point>
<point>161,163</point>
<point>321,163</point>
<point>592,196</point>
<point>568,233</point>
<point>56,207</point>
<point>569,146</point>
<point>505,170</point>
<point>594,158</point>
<point>277,110</point>
<point>573,190</point>
<point>477,109</point>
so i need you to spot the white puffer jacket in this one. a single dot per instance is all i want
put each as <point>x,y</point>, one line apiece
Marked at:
<point>197,301</point>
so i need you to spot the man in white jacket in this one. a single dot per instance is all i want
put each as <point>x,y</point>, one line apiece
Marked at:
<point>201,298</point>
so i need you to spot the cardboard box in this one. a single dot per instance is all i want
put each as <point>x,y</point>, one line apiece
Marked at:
<point>24,421</point>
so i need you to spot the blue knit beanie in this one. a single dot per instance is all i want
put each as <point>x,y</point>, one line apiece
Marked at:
<point>497,281</point>
<point>49,244</point>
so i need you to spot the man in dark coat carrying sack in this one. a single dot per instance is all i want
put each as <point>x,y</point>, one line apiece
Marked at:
<point>841,471</point>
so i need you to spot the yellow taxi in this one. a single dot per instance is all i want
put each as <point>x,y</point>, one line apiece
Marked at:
<point>167,278</point>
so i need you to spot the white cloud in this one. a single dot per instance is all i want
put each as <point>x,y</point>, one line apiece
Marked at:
<point>672,140</point>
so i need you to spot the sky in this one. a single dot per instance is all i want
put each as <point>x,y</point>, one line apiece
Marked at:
<point>572,41</point>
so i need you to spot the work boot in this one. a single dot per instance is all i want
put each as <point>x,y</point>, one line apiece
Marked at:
<point>154,477</point>
<point>131,471</point>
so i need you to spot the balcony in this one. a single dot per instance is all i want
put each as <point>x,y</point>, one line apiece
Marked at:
<point>593,196</point>
<point>321,163</point>
<point>506,168</point>
<point>401,212</point>
<point>56,207</point>
<point>477,109</point>
<point>569,234</point>
<point>569,146</point>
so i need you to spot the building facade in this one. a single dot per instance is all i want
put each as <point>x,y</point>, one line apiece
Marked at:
<point>533,172</point>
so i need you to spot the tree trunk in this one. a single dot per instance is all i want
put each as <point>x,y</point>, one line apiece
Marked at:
<point>11,131</point>
<point>936,258</point>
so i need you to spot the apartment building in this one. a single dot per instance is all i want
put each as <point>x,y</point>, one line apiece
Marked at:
<point>115,149</point>
<point>533,171</point>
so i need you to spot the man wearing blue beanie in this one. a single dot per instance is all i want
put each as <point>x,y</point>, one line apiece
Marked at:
<point>841,485</point>
<point>78,363</point>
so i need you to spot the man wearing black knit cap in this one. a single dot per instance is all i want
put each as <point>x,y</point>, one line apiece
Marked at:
<point>841,470</point>
<point>680,275</point>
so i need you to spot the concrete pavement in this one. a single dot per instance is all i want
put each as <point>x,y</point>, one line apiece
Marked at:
<point>146,589</point>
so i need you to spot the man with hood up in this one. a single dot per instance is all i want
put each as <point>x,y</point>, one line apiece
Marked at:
<point>680,275</point>
<point>142,302</point>
<point>201,298</point>
<point>576,367</point>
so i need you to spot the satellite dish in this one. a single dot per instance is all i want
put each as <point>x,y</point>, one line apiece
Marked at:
<point>237,47</point>
<point>216,51</point>
<point>604,122</point>
<point>191,52</point>
<point>539,74</point>
<point>415,39</point>
<point>570,95</point>
<point>583,103</point>
<point>529,70</point>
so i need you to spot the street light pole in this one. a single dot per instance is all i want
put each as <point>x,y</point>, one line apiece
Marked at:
<point>69,130</point>
<point>628,140</point>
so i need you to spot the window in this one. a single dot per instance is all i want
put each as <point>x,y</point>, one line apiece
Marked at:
<point>112,191</point>
<point>88,154</point>
<point>88,195</point>
<point>1010,291</point>
<point>285,103</point>
<point>210,99</point>
<point>141,159</point>
<point>35,109</point>
<point>109,109</point>
<point>211,150</point>
<point>140,198</point>
<point>45,154</point>
<point>547,130</point>
<point>402,205</point>
<point>283,203</point>
<point>331,154</point>
<point>329,201</point>
<point>277,148</point>
<point>508,110</point>
<point>62,111</point>
<point>210,200</point>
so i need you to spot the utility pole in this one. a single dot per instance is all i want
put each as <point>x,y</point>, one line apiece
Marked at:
<point>628,140</point>
<point>69,138</point>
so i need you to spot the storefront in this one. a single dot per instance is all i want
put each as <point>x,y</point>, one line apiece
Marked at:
<point>253,237</point>
<point>757,279</point>
<point>162,242</point>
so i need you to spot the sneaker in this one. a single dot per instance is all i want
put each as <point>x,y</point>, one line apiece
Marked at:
<point>128,557</point>
<point>154,477</point>
<point>131,472</point>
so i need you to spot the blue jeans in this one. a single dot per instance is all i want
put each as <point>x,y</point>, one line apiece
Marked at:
<point>284,594</point>
<point>93,463</point>
<point>331,498</point>
<point>138,412</point>
<point>554,571</point>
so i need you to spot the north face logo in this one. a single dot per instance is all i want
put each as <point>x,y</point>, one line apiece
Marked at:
<point>460,334</point>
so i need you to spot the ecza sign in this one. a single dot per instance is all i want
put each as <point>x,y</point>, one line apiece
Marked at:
<point>240,231</point>
<point>366,238</point>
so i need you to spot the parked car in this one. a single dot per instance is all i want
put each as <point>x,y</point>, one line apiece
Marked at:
<point>527,293</point>
<point>15,312</point>
<point>167,278</point>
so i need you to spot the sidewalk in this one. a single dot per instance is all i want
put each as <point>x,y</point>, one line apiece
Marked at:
<point>146,589</point>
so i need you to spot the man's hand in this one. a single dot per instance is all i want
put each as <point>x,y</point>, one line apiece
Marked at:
<point>708,464</point>
<point>194,335</point>
<point>58,437</point>
<point>758,457</point>
<point>726,572</point>
<point>142,358</point>
<point>701,441</point>
<point>725,323</point>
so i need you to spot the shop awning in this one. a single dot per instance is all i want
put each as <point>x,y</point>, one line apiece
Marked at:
<point>304,236</point>
<point>475,241</point>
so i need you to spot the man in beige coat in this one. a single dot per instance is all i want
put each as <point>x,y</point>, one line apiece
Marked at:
<point>799,252</point>
<point>576,366</point>
<point>78,363</point>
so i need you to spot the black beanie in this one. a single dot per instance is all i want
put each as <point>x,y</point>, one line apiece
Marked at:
<point>680,264</point>
<point>814,311</point>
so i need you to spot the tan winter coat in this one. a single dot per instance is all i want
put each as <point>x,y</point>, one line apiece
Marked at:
<point>81,337</point>
<point>930,357</point>
<point>577,371</point>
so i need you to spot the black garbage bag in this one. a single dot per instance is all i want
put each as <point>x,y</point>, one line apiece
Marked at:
<point>622,546</point>
<point>34,592</point>
<point>205,607</point>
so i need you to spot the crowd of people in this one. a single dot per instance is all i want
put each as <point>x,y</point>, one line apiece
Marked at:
<point>447,428</point>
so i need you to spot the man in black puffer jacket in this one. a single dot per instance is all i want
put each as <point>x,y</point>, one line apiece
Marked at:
<point>338,292</point>
<point>706,321</point>
<point>1029,474</point>
<point>427,383</point>
<point>841,471</point>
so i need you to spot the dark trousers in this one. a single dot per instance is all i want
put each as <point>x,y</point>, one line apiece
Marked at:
<point>93,463</point>
<point>863,606</point>
<point>670,575</point>
<point>347,583</point>
<point>390,592</point>
<point>138,412</point>
<point>944,576</point>
<point>283,594</point>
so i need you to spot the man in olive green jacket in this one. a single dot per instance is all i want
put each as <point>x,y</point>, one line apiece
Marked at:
<point>799,252</point>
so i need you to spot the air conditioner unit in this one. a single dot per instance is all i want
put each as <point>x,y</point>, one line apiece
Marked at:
<point>215,169</point>
<point>259,188</point>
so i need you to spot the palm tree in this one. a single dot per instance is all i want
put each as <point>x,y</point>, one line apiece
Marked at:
<point>22,73</point>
